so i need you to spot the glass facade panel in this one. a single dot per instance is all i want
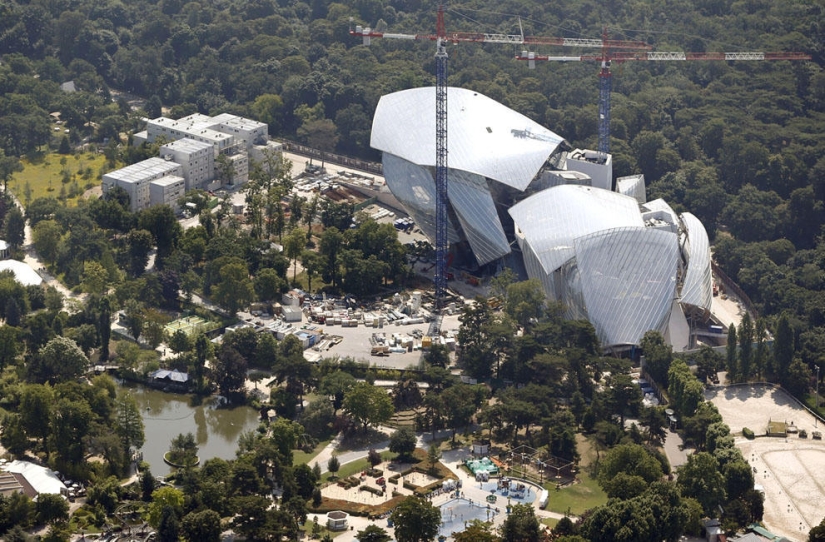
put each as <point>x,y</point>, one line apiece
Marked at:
<point>414,187</point>
<point>474,206</point>
<point>628,279</point>
<point>553,218</point>
<point>485,137</point>
<point>697,288</point>
<point>633,186</point>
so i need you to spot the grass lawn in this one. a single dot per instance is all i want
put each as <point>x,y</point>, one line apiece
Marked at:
<point>309,527</point>
<point>550,522</point>
<point>299,457</point>
<point>44,176</point>
<point>583,495</point>
<point>576,498</point>
<point>355,467</point>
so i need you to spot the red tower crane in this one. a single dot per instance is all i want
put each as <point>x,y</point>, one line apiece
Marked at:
<point>606,58</point>
<point>442,37</point>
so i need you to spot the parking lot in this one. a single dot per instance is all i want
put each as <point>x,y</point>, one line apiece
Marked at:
<point>791,470</point>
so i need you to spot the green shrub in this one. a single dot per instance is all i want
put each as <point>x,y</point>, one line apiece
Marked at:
<point>747,433</point>
<point>373,490</point>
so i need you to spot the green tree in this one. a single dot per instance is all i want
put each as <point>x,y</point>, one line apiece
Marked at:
<point>36,404</point>
<point>128,422</point>
<point>234,290</point>
<point>817,534</point>
<point>402,442</point>
<point>334,464</point>
<point>332,243</point>
<point>70,425</point>
<point>373,533</point>
<point>520,525</point>
<point>630,459</point>
<point>267,284</point>
<point>10,346</point>
<point>95,278</point>
<point>9,165</point>
<point>161,222</point>
<point>783,345</point>
<point>46,236</point>
<point>169,525</point>
<point>229,371</point>
<point>134,317</point>
<point>140,243</point>
<point>51,508</point>
<point>293,248</point>
<point>658,356</point>
<point>416,520</point>
<point>700,479</point>
<point>59,360</point>
<point>203,526</point>
<point>15,227</point>
<point>525,301</point>
<point>368,405</point>
<point>161,498</point>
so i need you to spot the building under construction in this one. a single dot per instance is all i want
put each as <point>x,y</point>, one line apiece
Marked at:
<point>520,196</point>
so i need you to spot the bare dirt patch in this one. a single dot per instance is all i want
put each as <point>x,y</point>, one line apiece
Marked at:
<point>790,470</point>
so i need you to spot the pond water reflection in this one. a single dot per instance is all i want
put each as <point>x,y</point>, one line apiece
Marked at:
<point>166,415</point>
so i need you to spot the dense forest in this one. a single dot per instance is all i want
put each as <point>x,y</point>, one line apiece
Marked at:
<point>738,144</point>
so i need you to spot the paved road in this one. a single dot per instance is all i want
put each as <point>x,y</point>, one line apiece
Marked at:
<point>673,449</point>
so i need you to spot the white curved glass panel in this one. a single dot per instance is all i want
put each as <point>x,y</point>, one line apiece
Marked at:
<point>633,186</point>
<point>553,218</point>
<point>414,187</point>
<point>485,137</point>
<point>697,288</point>
<point>536,271</point>
<point>474,206</point>
<point>628,279</point>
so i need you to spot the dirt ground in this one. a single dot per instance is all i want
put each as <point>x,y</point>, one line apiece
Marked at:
<point>791,470</point>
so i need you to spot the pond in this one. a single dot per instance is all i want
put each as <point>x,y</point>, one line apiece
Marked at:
<point>166,415</point>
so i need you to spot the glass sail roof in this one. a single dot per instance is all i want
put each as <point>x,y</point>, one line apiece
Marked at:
<point>485,137</point>
<point>551,219</point>
<point>697,288</point>
<point>628,279</point>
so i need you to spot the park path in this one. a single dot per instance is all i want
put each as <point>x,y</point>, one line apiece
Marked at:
<point>32,258</point>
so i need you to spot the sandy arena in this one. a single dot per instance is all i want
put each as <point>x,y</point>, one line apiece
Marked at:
<point>791,470</point>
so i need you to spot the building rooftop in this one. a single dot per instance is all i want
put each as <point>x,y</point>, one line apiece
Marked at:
<point>41,479</point>
<point>23,273</point>
<point>486,137</point>
<point>229,120</point>
<point>186,145</point>
<point>169,180</point>
<point>143,169</point>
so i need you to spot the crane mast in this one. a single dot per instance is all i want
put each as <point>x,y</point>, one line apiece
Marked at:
<point>606,58</point>
<point>440,175</point>
<point>442,38</point>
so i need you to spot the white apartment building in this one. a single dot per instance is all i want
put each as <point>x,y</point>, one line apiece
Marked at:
<point>137,179</point>
<point>167,191</point>
<point>250,132</point>
<point>197,159</point>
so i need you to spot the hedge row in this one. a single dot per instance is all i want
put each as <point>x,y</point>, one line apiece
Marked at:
<point>356,509</point>
<point>373,490</point>
<point>348,483</point>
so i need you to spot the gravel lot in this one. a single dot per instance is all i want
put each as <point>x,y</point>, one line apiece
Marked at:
<point>791,470</point>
